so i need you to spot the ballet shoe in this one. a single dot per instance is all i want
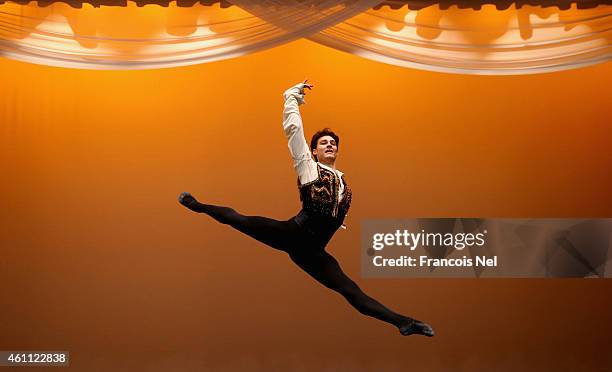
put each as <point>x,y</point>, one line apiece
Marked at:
<point>187,200</point>
<point>414,326</point>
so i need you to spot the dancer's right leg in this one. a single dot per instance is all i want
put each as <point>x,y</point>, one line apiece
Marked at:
<point>324,268</point>
<point>274,233</point>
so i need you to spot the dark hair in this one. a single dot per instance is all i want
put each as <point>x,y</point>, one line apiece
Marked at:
<point>322,133</point>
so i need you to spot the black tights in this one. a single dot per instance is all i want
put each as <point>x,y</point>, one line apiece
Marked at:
<point>288,237</point>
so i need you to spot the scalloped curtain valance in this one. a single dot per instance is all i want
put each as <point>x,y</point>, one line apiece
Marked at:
<point>468,37</point>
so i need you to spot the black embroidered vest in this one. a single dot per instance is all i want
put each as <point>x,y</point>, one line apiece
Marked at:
<point>320,197</point>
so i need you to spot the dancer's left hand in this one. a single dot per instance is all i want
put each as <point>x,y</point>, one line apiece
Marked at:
<point>306,85</point>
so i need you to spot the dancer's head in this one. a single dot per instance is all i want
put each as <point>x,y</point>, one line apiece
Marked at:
<point>324,146</point>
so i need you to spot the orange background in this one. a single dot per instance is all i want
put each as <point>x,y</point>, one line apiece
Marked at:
<point>99,259</point>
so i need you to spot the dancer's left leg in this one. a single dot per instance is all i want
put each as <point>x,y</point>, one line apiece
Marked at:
<point>325,269</point>
<point>276,234</point>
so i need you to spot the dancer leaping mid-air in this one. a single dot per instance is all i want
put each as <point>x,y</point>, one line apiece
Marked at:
<point>325,200</point>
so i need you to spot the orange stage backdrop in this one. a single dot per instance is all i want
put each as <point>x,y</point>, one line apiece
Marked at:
<point>99,259</point>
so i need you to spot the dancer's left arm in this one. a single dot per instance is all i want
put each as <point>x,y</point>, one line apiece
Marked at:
<point>303,162</point>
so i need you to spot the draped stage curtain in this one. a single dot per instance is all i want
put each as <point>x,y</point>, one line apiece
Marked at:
<point>489,41</point>
<point>131,35</point>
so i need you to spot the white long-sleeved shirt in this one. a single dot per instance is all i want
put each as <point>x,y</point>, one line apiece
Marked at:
<point>304,164</point>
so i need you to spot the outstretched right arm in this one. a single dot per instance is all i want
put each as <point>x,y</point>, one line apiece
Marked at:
<point>303,163</point>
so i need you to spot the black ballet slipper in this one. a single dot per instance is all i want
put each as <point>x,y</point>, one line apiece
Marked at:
<point>188,201</point>
<point>414,326</point>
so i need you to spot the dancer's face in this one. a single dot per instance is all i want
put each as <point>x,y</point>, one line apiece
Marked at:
<point>327,150</point>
